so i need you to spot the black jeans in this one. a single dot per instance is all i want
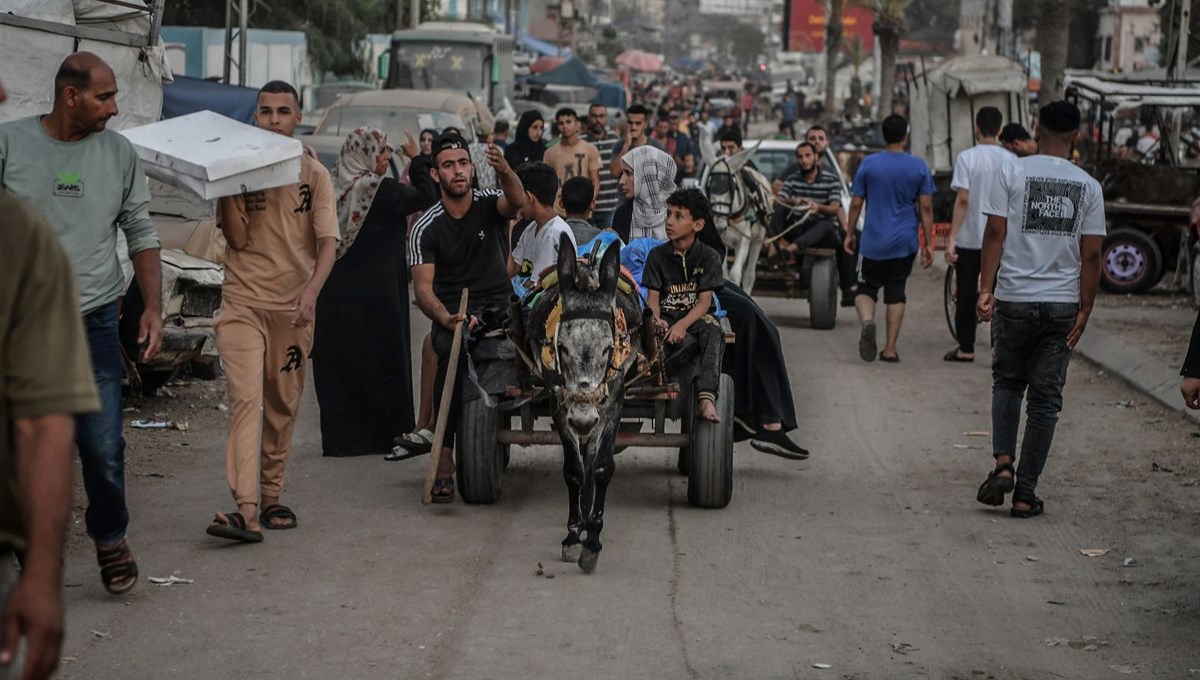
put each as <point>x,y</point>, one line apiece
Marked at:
<point>705,343</point>
<point>1030,347</point>
<point>966,275</point>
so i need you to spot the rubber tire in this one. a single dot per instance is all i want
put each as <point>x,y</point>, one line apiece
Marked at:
<point>1146,248</point>
<point>710,459</point>
<point>822,294</point>
<point>480,456</point>
<point>683,463</point>
<point>950,297</point>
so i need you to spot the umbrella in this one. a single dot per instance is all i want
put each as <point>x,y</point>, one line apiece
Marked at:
<point>546,63</point>
<point>641,61</point>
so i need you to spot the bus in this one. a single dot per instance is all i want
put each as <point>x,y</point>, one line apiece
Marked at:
<point>465,58</point>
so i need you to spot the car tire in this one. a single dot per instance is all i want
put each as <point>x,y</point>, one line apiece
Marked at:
<point>1130,262</point>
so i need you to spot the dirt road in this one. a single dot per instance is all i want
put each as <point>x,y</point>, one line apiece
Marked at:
<point>872,558</point>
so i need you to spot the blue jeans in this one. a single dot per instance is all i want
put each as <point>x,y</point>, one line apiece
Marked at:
<point>603,219</point>
<point>1031,356</point>
<point>98,435</point>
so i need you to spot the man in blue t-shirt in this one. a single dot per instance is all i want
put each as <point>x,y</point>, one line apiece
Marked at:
<point>894,185</point>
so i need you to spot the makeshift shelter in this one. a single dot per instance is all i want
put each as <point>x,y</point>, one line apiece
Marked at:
<point>638,60</point>
<point>943,101</point>
<point>574,73</point>
<point>189,95</point>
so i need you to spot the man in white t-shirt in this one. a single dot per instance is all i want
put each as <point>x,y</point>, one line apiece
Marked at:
<point>1041,268</point>
<point>537,247</point>
<point>974,172</point>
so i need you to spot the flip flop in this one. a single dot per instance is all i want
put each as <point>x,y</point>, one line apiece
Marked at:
<point>420,441</point>
<point>867,349</point>
<point>952,355</point>
<point>894,359</point>
<point>236,529</point>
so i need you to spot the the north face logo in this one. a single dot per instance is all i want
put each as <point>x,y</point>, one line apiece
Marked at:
<point>69,184</point>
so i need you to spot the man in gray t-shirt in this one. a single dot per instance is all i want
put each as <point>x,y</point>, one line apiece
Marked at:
<point>88,182</point>
<point>1040,271</point>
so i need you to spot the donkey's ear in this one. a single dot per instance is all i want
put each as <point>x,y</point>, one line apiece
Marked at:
<point>610,269</point>
<point>566,261</point>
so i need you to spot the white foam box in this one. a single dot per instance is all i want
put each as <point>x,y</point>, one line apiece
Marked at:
<point>216,156</point>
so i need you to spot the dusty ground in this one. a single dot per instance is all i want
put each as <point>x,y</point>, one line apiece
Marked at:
<point>872,557</point>
<point>1159,321</point>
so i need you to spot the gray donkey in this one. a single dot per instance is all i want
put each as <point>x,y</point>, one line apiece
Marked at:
<point>584,334</point>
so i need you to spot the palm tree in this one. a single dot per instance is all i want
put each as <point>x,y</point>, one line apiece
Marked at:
<point>833,47</point>
<point>1054,30</point>
<point>890,25</point>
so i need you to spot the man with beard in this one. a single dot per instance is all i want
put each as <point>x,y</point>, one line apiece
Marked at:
<point>605,141</point>
<point>1017,139</point>
<point>813,188</point>
<point>88,182</point>
<point>462,242</point>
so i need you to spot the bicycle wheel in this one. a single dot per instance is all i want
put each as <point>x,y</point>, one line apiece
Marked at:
<point>950,291</point>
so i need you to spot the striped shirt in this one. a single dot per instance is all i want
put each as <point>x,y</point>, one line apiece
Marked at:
<point>825,189</point>
<point>609,197</point>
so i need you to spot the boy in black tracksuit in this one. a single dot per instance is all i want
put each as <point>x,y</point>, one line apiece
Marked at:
<point>681,277</point>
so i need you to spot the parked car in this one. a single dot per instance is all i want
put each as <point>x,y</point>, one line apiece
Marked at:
<point>193,250</point>
<point>395,111</point>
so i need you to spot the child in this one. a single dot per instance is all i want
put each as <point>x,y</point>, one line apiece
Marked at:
<point>681,277</point>
<point>537,247</point>
<point>578,201</point>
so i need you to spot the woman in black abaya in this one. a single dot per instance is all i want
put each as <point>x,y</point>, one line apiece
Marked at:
<point>362,362</point>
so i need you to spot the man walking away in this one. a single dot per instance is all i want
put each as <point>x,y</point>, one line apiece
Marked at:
<point>974,171</point>
<point>1041,267</point>
<point>88,182</point>
<point>605,141</point>
<point>282,245</point>
<point>894,185</point>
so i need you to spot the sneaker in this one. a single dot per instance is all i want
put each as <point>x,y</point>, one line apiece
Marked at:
<point>866,342</point>
<point>742,430</point>
<point>777,443</point>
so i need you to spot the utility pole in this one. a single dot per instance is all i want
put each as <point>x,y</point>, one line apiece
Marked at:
<point>242,9</point>
<point>1004,20</point>
<point>415,19</point>
<point>1185,21</point>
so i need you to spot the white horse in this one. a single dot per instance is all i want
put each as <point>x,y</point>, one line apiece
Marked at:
<point>741,203</point>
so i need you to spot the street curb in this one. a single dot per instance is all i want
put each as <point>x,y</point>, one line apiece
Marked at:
<point>1139,368</point>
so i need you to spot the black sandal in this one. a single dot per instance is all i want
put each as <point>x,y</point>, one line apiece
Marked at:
<point>443,490</point>
<point>992,491</point>
<point>277,511</point>
<point>235,530</point>
<point>1036,507</point>
<point>118,569</point>
<point>953,356</point>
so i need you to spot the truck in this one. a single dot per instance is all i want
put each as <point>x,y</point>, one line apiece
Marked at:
<point>455,56</point>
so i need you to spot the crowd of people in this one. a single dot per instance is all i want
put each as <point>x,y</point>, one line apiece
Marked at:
<point>310,266</point>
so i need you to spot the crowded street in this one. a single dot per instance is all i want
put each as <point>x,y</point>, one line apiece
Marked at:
<point>872,557</point>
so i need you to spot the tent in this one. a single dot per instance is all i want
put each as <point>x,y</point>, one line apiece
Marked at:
<point>943,101</point>
<point>188,95</point>
<point>541,46</point>
<point>574,73</point>
<point>640,61</point>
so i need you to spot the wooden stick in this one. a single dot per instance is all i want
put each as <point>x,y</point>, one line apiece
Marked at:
<point>439,432</point>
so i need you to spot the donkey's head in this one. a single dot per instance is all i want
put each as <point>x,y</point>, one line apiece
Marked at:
<point>587,340</point>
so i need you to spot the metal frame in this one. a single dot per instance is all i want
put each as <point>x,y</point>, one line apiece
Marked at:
<point>153,8</point>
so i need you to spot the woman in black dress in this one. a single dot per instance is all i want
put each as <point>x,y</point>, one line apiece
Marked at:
<point>362,362</point>
<point>527,147</point>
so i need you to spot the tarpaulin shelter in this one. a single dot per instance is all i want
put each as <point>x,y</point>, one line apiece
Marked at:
<point>943,101</point>
<point>189,95</point>
<point>640,61</point>
<point>574,73</point>
<point>546,63</point>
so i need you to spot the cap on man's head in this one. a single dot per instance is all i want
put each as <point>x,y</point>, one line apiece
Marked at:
<point>448,142</point>
<point>1059,116</point>
<point>1014,132</point>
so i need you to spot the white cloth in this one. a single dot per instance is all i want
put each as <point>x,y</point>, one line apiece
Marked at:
<point>537,249</point>
<point>975,170</point>
<point>653,181</point>
<point>1049,203</point>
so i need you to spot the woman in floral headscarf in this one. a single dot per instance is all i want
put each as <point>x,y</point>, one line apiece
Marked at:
<point>362,365</point>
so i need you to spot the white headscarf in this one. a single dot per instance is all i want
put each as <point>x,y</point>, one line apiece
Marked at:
<point>653,182</point>
<point>355,182</point>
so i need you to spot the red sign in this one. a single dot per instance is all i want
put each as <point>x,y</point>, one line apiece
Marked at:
<point>807,30</point>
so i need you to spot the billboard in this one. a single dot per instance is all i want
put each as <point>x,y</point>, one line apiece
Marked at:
<point>806,31</point>
<point>734,7</point>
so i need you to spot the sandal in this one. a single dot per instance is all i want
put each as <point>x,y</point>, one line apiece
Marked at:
<point>420,441</point>
<point>443,490</point>
<point>890,358</point>
<point>952,355</point>
<point>276,511</point>
<point>992,491</point>
<point>235,530</point>
<point>118,569</point>
<point>1036,507</point>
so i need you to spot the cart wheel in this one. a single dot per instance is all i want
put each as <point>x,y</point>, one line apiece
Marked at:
<point>950,294</point>
<point>710,458</point>
<point>1131,262</point>
<point>822,294</point>
<point>480,457</point>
